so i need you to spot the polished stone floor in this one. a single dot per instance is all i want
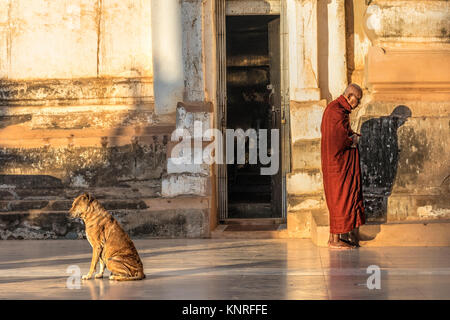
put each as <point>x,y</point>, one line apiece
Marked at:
<point>228,269</point>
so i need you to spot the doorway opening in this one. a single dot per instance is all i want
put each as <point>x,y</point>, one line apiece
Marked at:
<point>253,102</point>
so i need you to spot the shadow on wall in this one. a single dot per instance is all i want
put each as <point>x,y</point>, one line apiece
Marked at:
<point>123,169</point>
<point>123,158</point>
<point>379,154</point>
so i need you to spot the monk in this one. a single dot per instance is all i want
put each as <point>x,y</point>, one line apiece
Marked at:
<point>341,170</point>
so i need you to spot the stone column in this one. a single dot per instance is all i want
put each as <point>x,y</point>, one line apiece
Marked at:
<point>303,67</point>
<point>304,182</point>
<point>167,48</point>
<point>337,61</point>
<point>193,50</point>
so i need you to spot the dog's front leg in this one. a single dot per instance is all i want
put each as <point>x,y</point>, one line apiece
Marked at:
<point>99,275</point>
<point>95,256</point>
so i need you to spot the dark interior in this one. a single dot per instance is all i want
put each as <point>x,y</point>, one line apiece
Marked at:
<point>248,74</point>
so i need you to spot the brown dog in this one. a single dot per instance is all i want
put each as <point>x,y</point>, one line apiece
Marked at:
<point>110,243</point>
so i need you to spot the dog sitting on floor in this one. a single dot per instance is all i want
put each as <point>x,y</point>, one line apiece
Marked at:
<point>110,243</point>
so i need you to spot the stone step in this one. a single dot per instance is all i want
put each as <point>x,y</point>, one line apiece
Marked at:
<point>262,231</point>
<point>64,205</point>
<point>37,225</point>
<point>22,181</point>
<point>304,181</point>
<point>305,202</point>
<point>319,226</point>
<point>182,217</point>
<point>258,221</point>
<point>121,135</point>
<point>133,190</point>
<point>408,233</point>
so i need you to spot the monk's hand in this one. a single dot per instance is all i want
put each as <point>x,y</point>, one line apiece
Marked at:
<point>355,139</point>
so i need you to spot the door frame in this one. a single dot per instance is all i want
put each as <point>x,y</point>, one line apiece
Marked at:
<point>221,98</point>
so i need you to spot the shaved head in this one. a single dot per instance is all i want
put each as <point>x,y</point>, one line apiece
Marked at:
<point>353,94</point>
<point>354,89</point>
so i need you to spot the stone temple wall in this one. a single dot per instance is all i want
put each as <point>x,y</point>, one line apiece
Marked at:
<point>399,53</point>
<point>404,116</point>
<point>77,114</point>
<point>77,110</point>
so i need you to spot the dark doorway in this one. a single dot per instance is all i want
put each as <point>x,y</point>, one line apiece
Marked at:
<point>253,102</point>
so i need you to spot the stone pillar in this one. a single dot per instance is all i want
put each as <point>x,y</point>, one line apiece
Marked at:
<point>168,68</point>
<point>303,67</point>
<point>192,17</point>
<point>337,64</point>
<point>304,182</point>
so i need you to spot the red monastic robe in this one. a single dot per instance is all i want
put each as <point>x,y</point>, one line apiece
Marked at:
<point>340,168</point>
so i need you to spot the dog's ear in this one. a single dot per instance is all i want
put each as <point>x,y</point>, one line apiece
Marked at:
<point>90,197</point>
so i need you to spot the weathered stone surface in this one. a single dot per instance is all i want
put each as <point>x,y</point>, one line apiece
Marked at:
<point>83,167</point>
<point>305,202</point>
<point>259,7</point>
<point>50,225</point>
<point>193,49</point>
<point>306,154</point>
<point>189,223</point>
<point>391,76</point>
<point>305,119</point>
<point>67,52</point>
<point>418,207</point>
<point>390,21</point>
<point>375,206</point>
<point>171,223</point>
<point>185,184</point>
<point>80,39</point>
<point>11,181</point>
<point>76,91</point>
<point>187,120</point>
<point>299,224</point>
<point>302,43</point>
<point>176,167</point>
<point>81,121</point>
<point>125,38</point>
<point>304,182</point>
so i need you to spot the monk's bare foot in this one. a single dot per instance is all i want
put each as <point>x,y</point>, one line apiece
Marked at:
<point>353,237</point>
<point>351,243</point>
<point>354,242</point>
<point>340,245</point>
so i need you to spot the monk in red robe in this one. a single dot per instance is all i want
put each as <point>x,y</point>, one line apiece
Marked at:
<point>341,170</point>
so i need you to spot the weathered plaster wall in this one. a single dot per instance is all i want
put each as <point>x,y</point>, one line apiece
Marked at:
<point>125,43</point>
<point>77,114</point>
<point>398,51</point>
<point>73,75</point>
<point>44,39</point>
<point>198,52</point>
<point>77,110</point>
<point>404,115</point>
